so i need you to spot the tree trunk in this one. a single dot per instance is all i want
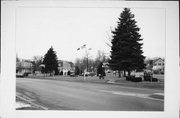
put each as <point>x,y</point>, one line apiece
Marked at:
<point>119,73</point>
<point>124,73</point>
<point>129,72</point>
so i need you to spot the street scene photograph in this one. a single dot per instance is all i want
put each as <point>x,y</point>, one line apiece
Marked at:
<point>90,58</point>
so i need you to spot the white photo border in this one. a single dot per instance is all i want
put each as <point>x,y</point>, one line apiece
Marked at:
<point>8,60</point>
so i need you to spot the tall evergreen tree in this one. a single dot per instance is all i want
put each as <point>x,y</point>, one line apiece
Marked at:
<point>50,61</point>
<point>126,50</point>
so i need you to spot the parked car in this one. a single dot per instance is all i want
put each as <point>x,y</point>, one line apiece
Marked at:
<point>26,73</point>
<point>87,74</point>
<point>72,74</point>
<point>20,74</point>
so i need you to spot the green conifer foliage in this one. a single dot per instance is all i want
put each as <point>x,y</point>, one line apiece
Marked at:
<point>50,61</point>
<point>126,50</point>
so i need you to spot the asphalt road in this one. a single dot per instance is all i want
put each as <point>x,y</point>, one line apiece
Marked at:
<point>66,95</point>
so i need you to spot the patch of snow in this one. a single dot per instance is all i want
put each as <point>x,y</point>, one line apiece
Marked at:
<point>22,105</point>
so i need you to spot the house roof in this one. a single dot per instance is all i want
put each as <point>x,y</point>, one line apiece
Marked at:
<point>157,60</point>
<point>71,63</point>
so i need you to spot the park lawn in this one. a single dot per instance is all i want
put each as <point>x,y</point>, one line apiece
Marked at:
<point>109,77</point>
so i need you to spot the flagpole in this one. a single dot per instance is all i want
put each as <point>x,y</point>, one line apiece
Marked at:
<point>86,52</point>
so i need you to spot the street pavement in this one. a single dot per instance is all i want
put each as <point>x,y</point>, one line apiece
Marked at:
<point>68,95</point>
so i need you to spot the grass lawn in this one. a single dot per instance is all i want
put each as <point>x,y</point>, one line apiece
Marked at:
<point>109,76</point>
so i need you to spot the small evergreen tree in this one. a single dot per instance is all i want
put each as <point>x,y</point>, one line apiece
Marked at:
<point>126,50</point>
<point>50,61</point>
<point>77,70</point>
<point>101,71</point>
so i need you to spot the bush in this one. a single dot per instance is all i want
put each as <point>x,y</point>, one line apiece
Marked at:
<point>133,79</point>
<point>162,72</point>
<point>61,73</point>
<point>154,80</point>
<point>137,79</point>
<point>129,78</point>
<point>147,78</point>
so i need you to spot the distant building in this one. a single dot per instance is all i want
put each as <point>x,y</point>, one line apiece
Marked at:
<point>24,66</point>
<point>65,66</point>
<point>158,66</point>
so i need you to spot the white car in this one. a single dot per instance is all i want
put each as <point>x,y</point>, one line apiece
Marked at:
<point>20,75</point>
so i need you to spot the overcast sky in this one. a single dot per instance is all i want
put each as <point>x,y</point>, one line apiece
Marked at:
<point>66,29</point>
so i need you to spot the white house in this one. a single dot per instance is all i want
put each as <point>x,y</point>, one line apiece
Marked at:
<point>24,66</point>
<point>65,66</point>
<point>158,65</point>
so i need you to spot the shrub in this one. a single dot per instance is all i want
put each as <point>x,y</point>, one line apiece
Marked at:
<point>162,72</point>
<point>147,78</point>
<point>133,79</point>
<point>129,78</point>
<point>154,80</point>
<point>61,73</point>
<point>137,79</point>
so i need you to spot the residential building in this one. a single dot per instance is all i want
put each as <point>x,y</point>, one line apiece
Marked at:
<point>65,66</point>
<point>24,66</point>
<point>158,66</point>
